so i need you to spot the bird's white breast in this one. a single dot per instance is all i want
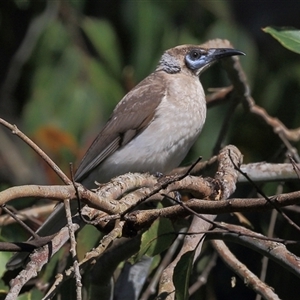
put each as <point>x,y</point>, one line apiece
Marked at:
<point>162,146</point>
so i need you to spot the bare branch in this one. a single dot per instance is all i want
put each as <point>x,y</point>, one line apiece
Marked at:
<point>274,250</point>
<point>243,272</point>
<point>88,259</point>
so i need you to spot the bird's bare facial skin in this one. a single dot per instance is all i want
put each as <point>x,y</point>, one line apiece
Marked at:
<point>196,59</point>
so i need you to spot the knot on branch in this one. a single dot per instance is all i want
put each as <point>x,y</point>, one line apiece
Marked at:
<point>230,159</point>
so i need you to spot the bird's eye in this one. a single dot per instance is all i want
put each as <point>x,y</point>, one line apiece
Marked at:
<point>195,59</point>
<point>195,54</point>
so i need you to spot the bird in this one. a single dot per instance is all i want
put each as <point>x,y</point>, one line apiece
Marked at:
<point>151,129</point>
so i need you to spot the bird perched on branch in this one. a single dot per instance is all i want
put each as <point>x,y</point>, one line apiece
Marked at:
<point>151,129</point>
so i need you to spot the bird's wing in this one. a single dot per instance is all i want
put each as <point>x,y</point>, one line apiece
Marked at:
<point>130,117</point>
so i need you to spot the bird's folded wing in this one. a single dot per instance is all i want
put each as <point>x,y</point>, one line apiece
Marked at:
<point>131,116</point>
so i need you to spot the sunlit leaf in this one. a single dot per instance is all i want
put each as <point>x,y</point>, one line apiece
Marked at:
<point>287,37</point>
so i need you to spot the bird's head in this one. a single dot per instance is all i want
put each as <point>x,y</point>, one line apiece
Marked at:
<point>193,59</point>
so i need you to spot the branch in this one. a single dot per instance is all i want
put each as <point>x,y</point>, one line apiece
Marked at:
<point>225,177</point>
<point>243,272</point>
<point>273,249</point>
<point>88,259</point>
<point>38,150</point>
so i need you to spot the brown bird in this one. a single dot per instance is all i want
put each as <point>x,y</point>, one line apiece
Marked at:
<point>151,129</point>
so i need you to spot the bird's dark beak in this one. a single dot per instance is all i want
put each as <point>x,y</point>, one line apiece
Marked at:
<point>214,54</point>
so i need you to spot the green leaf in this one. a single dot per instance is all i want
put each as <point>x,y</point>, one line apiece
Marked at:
<point>87,238</point>
<point>3,259</point>
<point>156,239</point>
<point>32,295</point>
<point>287,37</point>
<point>181,276</point>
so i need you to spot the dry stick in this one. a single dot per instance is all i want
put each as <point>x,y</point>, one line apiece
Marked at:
<point>191,242</point>
<point>295,166</point>
<point>220,226</point>
<point>182,204</point>
<point>141,218</point>
<point>89,257</point>
<point>38,150</point>
<point>278,126</point>
<point>243,272</point>
<point>293,151</point>
<point>201,206</point>
<point>59,192</point>
<point>32,268</point>
<point>261,244</point>
<point>73,250</point>
<point>289,220</point>
<point>165,182</point>
<point>226,176</point>
<point>202,278</point>
<point>218,95</point>
<point>27,214</point>
<point>265,260</point>
<point>150,290</point>
<point>20,221</point>
<point>292,208</point>
<point>73,239</point>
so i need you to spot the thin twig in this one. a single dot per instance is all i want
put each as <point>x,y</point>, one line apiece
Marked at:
<point>259,190</point>
<point>24,225</point>
<point>265,260</point>
<point>38,150</point>
<point>151,288</point>
<point>73,250</point>
<point>202,278</point>
<point>89,257</point>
